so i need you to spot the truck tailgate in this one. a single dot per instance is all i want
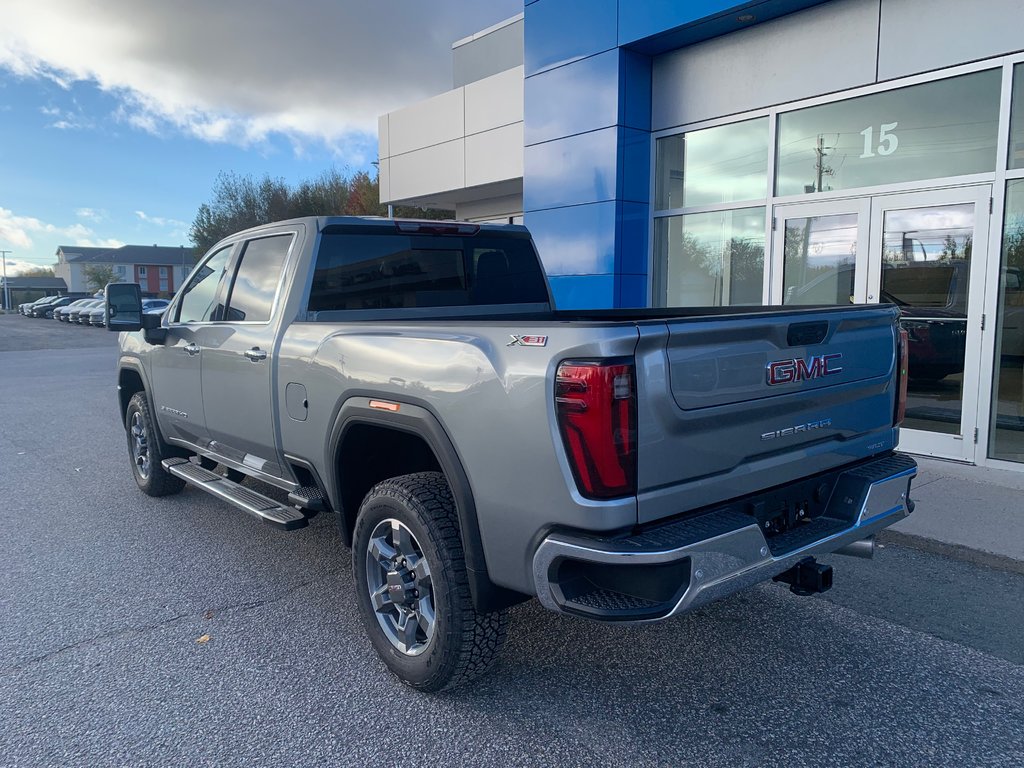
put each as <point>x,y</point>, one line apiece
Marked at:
<point>734,404</point>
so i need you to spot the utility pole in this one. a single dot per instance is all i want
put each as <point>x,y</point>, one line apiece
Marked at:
<point>7,288</point>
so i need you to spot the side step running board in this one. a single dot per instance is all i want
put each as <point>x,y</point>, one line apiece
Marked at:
<point>256,504</point>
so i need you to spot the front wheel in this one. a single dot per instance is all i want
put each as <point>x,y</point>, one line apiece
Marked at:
<point>412,588</point>
<point>147,451</point>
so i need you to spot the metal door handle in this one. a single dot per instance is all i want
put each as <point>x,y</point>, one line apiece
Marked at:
<point>255,354</point>
<point>191,348</point>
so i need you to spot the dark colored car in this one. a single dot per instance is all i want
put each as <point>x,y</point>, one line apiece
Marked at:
<point>40,307</point>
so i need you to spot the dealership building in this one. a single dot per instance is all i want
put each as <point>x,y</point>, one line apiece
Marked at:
<point>713,153</point>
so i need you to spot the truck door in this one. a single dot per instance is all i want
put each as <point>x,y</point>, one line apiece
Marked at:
<point>176,364</point>
<point>238,368</point>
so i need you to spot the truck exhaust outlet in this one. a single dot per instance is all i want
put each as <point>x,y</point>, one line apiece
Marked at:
<point>864,548</point>
<point>808,577</point>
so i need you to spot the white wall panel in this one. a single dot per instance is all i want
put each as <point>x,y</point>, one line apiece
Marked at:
<point>922,35</point>
<point>494,101</point>
<point>491,207</point>
<point>427,123</point>
<point>383,144</point>
<point>494,155</point>
<point>428,171</point>
<point>824,49</point>
<point>384,179</point>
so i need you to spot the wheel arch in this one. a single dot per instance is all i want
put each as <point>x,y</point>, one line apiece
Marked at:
<point>415,430</point>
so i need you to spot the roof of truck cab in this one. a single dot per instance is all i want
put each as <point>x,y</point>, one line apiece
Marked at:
<point>319,223</point>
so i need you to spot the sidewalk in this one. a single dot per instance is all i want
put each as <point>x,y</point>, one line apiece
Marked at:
<point>972,513</point>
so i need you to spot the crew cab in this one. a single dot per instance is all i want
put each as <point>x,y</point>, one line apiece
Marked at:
<point>479,447</point>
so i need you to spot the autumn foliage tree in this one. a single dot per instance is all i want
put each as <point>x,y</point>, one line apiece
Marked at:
<point>240,202</point>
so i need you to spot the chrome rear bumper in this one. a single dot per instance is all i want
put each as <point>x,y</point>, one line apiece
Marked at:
<point>674,568</point>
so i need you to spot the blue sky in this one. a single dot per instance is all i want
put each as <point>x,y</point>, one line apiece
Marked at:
<point>115,121</point>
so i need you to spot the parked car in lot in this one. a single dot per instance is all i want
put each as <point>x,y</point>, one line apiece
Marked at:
<point>61,314</point>
<point>62,302</point>
<point>40,307</point>
<point>478,447</point>
<point>26,308</point>
<point>75,315</point>
<point>155,306</point>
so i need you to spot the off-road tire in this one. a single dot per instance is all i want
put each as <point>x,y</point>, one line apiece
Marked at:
<point>156,481</point>
<point>464,642</point>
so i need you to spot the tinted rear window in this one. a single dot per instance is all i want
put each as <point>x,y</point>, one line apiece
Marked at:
<point>396,271</point>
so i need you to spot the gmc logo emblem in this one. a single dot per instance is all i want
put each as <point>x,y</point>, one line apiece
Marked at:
<point>788,371</point>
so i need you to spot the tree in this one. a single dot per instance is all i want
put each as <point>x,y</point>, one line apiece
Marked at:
<point>240,202</point>
<point>38,272</point>
<point>98,275</point>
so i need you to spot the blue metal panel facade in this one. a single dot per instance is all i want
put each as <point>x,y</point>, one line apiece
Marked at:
<point>587,161</point>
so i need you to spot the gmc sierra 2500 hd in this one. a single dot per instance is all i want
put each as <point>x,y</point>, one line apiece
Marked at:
<point>479,447</point>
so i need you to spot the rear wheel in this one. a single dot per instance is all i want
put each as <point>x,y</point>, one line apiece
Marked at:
<point>147,451</point>
<point>412,589</point>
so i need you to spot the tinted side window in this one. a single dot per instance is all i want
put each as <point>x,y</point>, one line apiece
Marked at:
<point>257,278</point>
<point>198,304</point>
<point>393,271</point>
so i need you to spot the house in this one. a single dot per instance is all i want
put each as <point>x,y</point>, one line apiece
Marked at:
<point>23,289</point>
<point>159,269</point>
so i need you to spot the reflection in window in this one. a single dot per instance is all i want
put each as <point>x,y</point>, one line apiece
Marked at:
<point>926,270</point>
<point>725,164</point>
<point>711,259</point>
<point>380,271</point>
<point>197,304</point>
<point>926,255</point>
<point>1016,159</point>
<point>819,259</point>
<point>1007,441</point>
<point>938,129</point>
<point>257,279</point>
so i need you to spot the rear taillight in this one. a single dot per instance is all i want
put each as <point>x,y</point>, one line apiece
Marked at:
<point>595,402</point>
<point>902,359</point>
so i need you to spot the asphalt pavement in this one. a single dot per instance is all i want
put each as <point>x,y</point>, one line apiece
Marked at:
<point>166,632</point>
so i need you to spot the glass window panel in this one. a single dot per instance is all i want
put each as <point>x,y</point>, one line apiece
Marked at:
<point>820,255</point>
<point>1016,159</point>
<point>198,303</point>
<point>711,259</point>
<point>1007,441</point>
<point>926,262</point>
<point>725,164</point>
<point>257,278</point>
<point>380,271</point>
<point>944,128</point>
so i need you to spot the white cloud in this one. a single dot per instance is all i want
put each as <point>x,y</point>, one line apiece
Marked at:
<point>160,221</point>
<point>92,214</point>
<point>240,70</point>
<point>20,232</point>
<point>105,242</point>
<point>17,267</point>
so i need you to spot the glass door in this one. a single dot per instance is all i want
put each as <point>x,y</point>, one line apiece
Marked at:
<point>928,256</point>
<point>820,252</point>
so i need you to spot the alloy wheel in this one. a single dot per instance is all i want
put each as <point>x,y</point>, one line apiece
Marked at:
<point>139,443</point>
<point>400,587</point>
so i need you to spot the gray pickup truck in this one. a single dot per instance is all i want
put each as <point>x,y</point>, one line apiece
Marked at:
<point>479,447</point>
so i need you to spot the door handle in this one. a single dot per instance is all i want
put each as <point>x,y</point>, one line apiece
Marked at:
<point>255,354</point>
<point>191,349</point>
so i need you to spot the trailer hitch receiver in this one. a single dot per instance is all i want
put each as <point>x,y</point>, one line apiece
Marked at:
<point>808,577</point>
